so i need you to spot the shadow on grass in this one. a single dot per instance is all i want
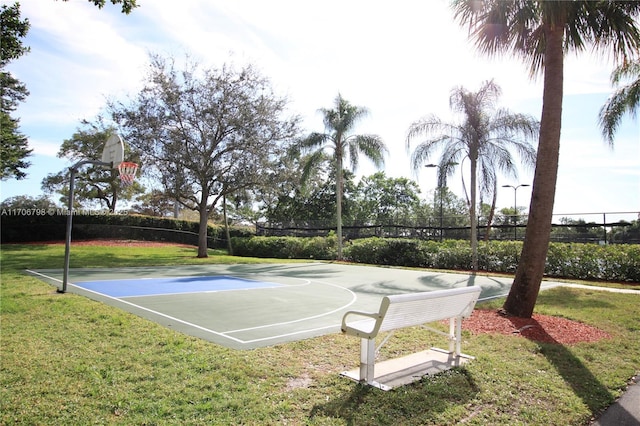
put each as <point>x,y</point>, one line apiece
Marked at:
<point>16,257</point>
<point>565,296</point>
<point>423,402</point>
<point>584,384</point>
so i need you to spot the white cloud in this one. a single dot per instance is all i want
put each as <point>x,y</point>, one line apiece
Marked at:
<point>77,58</point>
<point>44,147</point>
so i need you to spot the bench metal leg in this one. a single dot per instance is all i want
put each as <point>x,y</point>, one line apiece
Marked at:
<point>367,359</point>
<point>452,334</point>
<point>455,335</point>
<point>458,321</point>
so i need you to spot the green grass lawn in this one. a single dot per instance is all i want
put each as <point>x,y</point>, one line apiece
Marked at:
<point>70,360</point>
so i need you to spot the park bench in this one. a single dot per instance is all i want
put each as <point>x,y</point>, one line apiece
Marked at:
<point>408,310</point>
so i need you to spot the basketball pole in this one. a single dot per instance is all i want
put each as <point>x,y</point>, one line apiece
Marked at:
<point>67,246</point>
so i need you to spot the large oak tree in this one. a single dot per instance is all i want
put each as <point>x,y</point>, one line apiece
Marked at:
<point>208,133</point>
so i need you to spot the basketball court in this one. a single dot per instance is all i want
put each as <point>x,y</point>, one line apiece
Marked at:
<point>244,306</point>
<point>249,306</point>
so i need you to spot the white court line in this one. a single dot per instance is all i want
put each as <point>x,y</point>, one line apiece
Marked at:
<point>43,275</point>
<point>354,297</point>
<point>288,334</point>
<point>198,292</point>
<point>275,285</point>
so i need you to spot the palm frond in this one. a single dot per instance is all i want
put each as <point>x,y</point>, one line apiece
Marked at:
<point>339,122</point>
<point>371,146</point>
<point>507,122</point>
<point>500,27</point>
<point>312,164</point>
<point>488,177</point>
<point>624,100</point>
<point>519,27</point>
<point>500,159</point>
<point>612,27</point>
<point>343,117</point>
<point>474,103</point>
<point>628,70</point>
<point>422,153</point>
<point>428,126</point>
<point>312,141</point>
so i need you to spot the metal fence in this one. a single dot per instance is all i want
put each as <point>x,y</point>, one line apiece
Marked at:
<point>601,228</point>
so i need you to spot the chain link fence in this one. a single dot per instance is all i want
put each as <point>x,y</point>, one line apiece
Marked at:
<point>600,228</point>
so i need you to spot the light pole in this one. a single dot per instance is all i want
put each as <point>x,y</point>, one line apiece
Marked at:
<point>515,207</point>
<point>441,186</point>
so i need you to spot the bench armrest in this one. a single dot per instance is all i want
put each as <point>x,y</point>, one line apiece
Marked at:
<point>375,316</point>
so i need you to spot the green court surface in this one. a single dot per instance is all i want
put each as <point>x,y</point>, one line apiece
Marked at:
<point>248,306</point>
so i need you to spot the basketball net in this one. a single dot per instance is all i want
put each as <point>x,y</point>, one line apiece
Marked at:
<point>127,172</point>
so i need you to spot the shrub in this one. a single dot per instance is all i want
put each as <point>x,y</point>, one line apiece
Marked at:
<point>618,262</point>
<point>568,260</point>
<point>321,248</point>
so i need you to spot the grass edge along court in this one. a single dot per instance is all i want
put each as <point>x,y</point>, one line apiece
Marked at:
<point>67,359</point>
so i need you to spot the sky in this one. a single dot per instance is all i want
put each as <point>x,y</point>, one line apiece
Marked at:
<point>400,60</point>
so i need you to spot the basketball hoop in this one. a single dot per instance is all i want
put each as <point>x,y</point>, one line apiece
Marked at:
<point>127,172</point>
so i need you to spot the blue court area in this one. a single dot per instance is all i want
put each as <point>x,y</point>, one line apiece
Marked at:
<point>175,285</point>
<point>248,306</point>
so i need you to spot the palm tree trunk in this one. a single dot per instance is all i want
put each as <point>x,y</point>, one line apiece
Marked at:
<point>492,213</point>
<point>526,285</point>
<point>472,211</point>
<point>339,178</point>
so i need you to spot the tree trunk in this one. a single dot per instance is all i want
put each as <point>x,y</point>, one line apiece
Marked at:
<point>472,211</point>
<point>202,229</point>
<point>227,233</point>
<point>526,285</point>
<point>339,203</point>
<point>492,213</point>
<point>112,206</point>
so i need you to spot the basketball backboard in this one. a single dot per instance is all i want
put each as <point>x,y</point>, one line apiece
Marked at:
<point>113,151</point>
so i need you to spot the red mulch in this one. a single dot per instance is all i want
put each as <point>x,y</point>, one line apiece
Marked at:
<point>114,243</point>
<point>541,328</point>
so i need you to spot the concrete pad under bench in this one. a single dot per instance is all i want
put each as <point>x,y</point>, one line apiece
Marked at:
<point>404,370</point>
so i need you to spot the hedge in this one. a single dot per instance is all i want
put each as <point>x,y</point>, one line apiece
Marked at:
<point>320,248</point>
<point>620,262</point>
<point>52,227</point>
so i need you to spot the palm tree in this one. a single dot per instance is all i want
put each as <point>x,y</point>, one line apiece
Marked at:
<point>541,33</point>
<point>338,123</point>
<point>623,100</point>
<point>485,137</point>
